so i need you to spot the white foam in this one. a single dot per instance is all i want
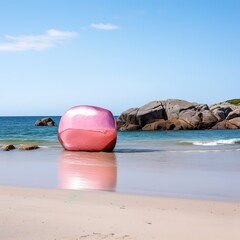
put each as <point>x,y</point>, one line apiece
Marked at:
<point>203,151</point>
<point>217,142</point>
<point>44,146</point>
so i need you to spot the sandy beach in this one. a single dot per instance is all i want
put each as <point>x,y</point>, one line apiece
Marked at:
<point>28,213</point>
<point>153,186</point>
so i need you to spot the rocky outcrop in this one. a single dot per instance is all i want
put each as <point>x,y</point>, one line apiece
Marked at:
<point>174,114</point>
<point>45,122</point>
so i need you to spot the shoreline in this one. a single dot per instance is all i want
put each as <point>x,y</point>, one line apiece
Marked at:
<point>188,174</point>
<point>28,213</point>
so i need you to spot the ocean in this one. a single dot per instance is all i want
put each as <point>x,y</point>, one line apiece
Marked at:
<point>195,164</point>
<point>17,130</point>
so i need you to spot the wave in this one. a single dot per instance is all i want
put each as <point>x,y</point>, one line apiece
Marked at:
<point>203,151</point>
<point>214,142</point>
<point>50,146</point>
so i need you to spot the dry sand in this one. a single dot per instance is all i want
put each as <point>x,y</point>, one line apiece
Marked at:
<point>29,214</point>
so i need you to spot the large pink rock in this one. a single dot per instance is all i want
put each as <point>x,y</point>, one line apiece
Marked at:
<point>87,128</point>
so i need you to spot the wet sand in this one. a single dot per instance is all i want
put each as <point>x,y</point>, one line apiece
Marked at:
<point>45,214</point>
<point>188,174</point>
<point>52,208</point>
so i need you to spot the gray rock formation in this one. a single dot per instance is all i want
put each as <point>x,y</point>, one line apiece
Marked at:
<point>173,114</point>
<point>45,122</point>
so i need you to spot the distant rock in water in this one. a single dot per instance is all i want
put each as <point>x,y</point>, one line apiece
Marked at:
<point>45,122</point>
<point>7,147</point>
<point>174,114</point>
<point>28,147</point>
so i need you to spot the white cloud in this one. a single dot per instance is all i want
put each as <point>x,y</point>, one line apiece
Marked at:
<point>35,42</point>
<point>102,26</point>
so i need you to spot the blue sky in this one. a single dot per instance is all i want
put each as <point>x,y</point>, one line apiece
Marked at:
<point>116,54</point>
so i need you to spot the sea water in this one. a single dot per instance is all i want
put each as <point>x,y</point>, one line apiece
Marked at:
<point>17,130</point>
<point>201,164</point>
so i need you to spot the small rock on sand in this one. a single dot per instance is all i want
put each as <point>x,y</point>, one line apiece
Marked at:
<point>7,147</point>
<point>28,147</point>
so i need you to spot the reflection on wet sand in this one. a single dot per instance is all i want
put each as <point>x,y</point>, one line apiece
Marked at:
<point>88,170</point>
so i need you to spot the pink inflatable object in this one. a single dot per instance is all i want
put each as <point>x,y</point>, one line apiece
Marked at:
<point>87,128</point>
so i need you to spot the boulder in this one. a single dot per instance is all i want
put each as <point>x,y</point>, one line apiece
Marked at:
<point>150,112</point>
<point>173,107</point>
<point>208,119</point>
<point>45,122</point>
<point>220,125</point>
<point>87,128</point>
<point>233,114</point>
<point>202,107</point>
<point>127,117</point>
<point>219,114</point>
<point>158,125</point>
<point>7,147</point>
<point>28,147</point>
<point>191,117</point>
<point>233,123</point>
<point>180,124</point>
<point>174,124</point>
<point>224,107</point>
